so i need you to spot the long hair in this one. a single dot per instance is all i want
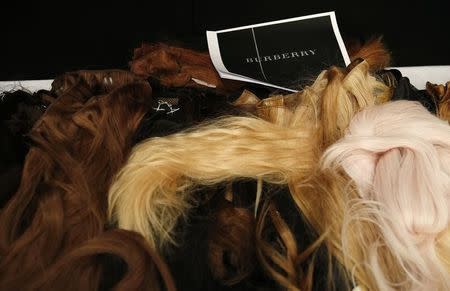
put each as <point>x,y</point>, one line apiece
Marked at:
<point>397,154</point>
<point>329,104</point>
<point>144,269</point>
<point>159,178</point>
<point>77,146</point>
<point>160,173</point>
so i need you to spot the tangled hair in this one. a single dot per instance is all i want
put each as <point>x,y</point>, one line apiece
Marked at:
<point>331,111</point>
<point>161,173</point>
<point>77,146</point>
<point>179,67</point>
<point>335,97</point>
<point>398,156</point>
<point>157,180</point>
<point>442,94</point>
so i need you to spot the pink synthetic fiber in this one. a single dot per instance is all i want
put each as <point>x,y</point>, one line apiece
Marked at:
<point>398,155</point>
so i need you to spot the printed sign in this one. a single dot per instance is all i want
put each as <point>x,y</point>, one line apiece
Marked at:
<point>284,54</point>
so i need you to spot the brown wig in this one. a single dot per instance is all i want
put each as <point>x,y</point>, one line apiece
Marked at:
<point>372,51</point>
<point>142,273</point>
<point>442,94</point>
<point>231,247</point>
<point>77,146</point>
<point>101,81</point>
<point>179,67</point>
<point>231,251</point>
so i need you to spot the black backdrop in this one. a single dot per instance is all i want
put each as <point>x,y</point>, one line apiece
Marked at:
<point>40,40</point>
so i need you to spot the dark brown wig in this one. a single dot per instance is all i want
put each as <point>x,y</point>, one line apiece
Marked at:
<point>216,244</point>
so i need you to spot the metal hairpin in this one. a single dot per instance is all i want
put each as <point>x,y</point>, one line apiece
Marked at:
<point>161,103</point>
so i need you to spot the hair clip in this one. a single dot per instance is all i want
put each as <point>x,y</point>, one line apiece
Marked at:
<point>161,108</point>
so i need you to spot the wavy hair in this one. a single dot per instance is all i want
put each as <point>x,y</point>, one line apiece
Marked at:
<point>179,67</point>
<point>158,180</point>
<point>59,209</point>
<point>161,172</point>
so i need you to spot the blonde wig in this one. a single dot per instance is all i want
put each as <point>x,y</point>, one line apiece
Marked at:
<point>160,173</point>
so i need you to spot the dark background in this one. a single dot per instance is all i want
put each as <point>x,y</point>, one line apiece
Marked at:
<point>40,39</point>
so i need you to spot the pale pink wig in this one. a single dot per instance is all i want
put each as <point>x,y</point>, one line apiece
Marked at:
<point>398,155</point>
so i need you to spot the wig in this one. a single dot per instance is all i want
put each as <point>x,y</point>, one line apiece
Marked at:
<point>442,94</point>
<point>321,193</point>
<point>398,156</point>
<point>328,192</point>
<point>231,249</point>
<point>179,67</point>
<point>277,109</point>
<point>101,81</point>
<point>161,174</point>
<point>157,180</point>
<point>59,209</point>
<point>335,97</point>
<point>143,266</point>
<point>217,238</point>
<point>373,51</point>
